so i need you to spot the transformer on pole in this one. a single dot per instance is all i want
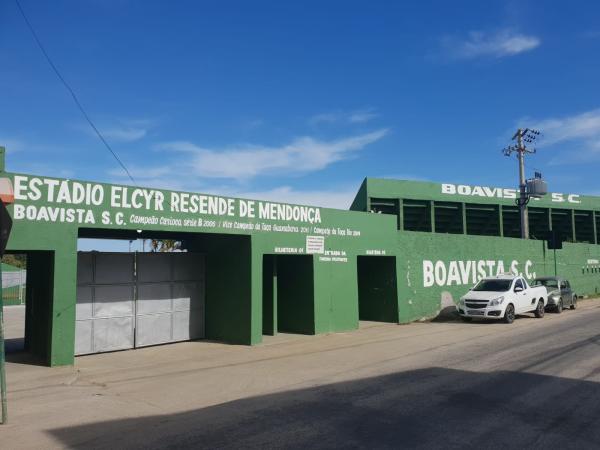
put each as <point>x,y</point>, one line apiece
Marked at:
<point>534,187</point>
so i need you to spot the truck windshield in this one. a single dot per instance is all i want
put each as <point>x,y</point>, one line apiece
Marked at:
<point>493,285</point>
<point>547,283</point>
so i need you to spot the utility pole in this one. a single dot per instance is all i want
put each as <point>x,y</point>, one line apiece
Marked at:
<point>523,135</point>
<point>522,186</point>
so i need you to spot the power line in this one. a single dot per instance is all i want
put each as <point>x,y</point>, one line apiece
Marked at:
<point>75,99</point>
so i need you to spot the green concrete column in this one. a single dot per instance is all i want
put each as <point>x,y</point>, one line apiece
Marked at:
<point>501,219</point>
<point>256,294</point>
<point>400,214</point>
<point>594,226</point>
<point>62,312</point>
<point>274,309</point>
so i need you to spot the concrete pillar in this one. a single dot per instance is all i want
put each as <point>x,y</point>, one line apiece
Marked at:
<point>400,214</point>
<point>594,226</point>
<point>501,219</point>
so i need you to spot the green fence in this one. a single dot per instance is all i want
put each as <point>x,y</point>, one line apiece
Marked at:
<point>13,285</point>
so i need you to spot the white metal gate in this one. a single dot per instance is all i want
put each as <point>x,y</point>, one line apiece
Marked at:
<point>127,300</point>
<point>170,298</point>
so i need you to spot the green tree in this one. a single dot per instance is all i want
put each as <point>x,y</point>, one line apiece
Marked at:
<point>18,260</point>
<point>164,245</point>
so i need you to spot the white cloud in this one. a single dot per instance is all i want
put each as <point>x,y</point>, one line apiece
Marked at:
<point>122,130</point>
<point>362,116</point>
<point>351,117</point>
<point>124,134</point>
<point>143,172</point>
<point>403,176</point>
<point>329,117</point>
<point>36,167</point>
<point>340,199</point>
<point>584,126</point>
<point>580,132</point>
<point>171,181</point>
<point>302,155</point>
<point>506,42</point>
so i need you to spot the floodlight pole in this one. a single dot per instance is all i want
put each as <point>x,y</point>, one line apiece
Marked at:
<point>522,185</point>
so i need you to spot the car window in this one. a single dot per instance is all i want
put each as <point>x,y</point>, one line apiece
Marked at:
<point>518,283</point>
<point>493,285</point>
<point>525,285</point>
<point>567,285</point>
<point>549,283</point>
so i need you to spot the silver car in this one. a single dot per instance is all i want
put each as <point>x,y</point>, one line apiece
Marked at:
<point>560,294</point>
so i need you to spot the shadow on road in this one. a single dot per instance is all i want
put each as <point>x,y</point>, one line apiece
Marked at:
<point>429,408</point>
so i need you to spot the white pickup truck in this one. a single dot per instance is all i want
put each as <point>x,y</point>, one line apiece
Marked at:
<point>502,297</point>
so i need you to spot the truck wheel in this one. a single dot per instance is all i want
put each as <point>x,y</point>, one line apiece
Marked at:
<point>466,319</point>
<point>509,314</point>
<point>574,302</point>
<point>559,307</point>
<point>539,311</point>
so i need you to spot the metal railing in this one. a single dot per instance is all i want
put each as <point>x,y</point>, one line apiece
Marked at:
<point>13,287</point>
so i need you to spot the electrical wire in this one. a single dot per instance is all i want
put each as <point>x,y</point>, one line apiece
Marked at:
<point>72,92</point>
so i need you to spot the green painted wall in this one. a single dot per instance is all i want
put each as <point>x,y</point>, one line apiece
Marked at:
<point>421,190</point>
<point>459,255</point>
<point>422,296</point>
<point>336,297</point>
<point>360,202</point>
<point>317,284</point>
<point>50,213</point>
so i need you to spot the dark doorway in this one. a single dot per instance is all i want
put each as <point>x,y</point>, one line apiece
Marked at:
<point>28,298</point>
<point>288,294</point>
<point>377,291</point>
<point>14,278</point>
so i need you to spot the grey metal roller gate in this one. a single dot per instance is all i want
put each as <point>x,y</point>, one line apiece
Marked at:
<point>128,300</point>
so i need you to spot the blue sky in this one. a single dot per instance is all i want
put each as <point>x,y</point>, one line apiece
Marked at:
<point>299,101</point>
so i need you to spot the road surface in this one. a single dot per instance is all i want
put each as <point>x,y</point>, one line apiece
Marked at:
<point>533,384</point>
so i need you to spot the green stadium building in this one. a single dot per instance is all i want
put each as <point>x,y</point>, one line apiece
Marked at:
<point>405,251</point>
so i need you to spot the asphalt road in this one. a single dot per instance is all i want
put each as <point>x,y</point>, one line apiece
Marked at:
<point>533,384</point>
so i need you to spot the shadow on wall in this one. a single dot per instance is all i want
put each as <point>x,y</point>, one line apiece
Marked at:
<point>428,408</point>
